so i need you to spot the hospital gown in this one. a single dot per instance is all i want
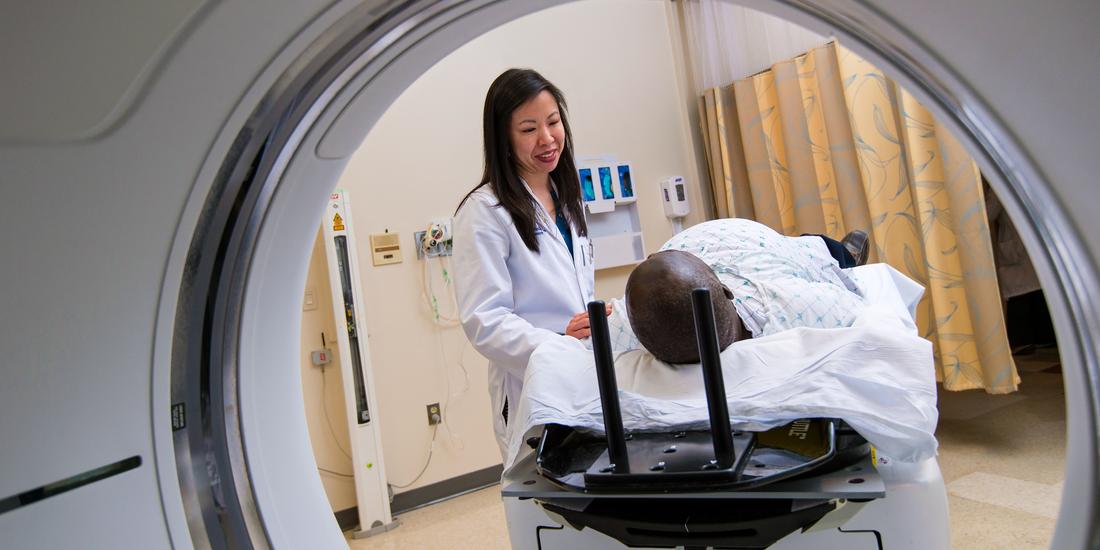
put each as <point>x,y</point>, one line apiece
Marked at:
<point>778,282</point>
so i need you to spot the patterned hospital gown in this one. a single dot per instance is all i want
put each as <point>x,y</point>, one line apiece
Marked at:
<point>778,282</point>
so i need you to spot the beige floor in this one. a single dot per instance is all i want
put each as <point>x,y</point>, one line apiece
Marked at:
<point>1002,459</point>
<point>473,521</point>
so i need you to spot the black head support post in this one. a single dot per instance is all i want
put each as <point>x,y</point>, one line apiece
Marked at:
<point>707,337</point>
<point>609,388</point>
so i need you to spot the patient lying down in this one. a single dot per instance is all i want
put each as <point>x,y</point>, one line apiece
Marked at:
<point>876,373</point>
<point>761,283</point>
<point>657,348</point>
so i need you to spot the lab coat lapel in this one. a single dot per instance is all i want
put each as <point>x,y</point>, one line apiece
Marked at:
<point>580,269</point>
<point>548,223</point>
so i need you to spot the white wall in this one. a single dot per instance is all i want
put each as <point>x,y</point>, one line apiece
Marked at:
<point>615,63</point>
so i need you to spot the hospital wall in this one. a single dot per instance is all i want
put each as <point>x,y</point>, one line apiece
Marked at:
<point>615,61</point>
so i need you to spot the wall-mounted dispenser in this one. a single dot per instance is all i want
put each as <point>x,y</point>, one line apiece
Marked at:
<point>607,189</point>
<point>674,197</point>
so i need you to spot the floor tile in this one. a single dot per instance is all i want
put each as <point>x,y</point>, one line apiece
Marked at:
<point>980,526</point>
<point>471,521</point>
<point>1030,497</point>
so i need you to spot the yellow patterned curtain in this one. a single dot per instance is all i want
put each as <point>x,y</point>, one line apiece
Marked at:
<point>825,143</point>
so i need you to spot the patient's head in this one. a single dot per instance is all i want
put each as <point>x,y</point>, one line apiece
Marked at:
<point>658,304</point>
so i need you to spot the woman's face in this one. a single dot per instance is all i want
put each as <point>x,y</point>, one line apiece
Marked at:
<point>538,136</point>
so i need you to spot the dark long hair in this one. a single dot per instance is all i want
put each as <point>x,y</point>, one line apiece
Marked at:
<point>511,89</point>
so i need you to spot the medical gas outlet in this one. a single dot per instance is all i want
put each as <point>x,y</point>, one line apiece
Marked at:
<point>435,240</point>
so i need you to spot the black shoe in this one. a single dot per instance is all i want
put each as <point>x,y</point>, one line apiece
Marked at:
<point>856,243</point>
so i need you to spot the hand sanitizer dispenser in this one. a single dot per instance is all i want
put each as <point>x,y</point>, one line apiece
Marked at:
<point>674,195</point>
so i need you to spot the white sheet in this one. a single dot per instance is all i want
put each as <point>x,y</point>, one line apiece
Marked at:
<point>877,375</point>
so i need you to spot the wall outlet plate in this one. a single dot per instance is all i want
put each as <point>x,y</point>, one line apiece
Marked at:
<point>435,414</point>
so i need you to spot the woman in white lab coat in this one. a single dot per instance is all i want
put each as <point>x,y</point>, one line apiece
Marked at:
<point>522,260</point>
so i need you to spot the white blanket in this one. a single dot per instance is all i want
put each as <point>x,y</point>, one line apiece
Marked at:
<point>877,375</point>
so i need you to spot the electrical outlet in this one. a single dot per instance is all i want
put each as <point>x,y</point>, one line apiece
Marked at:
<point>435,415</point>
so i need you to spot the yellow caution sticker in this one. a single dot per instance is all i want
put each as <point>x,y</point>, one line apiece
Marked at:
<point>337,222</point>
<point>874,457</point>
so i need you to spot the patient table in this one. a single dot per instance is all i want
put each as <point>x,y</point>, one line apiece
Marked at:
<point>810,484</point>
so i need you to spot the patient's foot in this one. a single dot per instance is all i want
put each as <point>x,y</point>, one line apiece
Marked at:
<point>857,245</point>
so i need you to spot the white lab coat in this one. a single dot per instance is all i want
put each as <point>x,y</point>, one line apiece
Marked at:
<point>511,299</point>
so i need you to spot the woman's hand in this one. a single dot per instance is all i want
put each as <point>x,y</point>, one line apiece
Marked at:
<point>579,327</point>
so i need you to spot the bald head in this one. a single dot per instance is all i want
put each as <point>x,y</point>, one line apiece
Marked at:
<point>658,304</point>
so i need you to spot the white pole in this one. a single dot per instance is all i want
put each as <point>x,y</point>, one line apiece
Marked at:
<point>364,430</point>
